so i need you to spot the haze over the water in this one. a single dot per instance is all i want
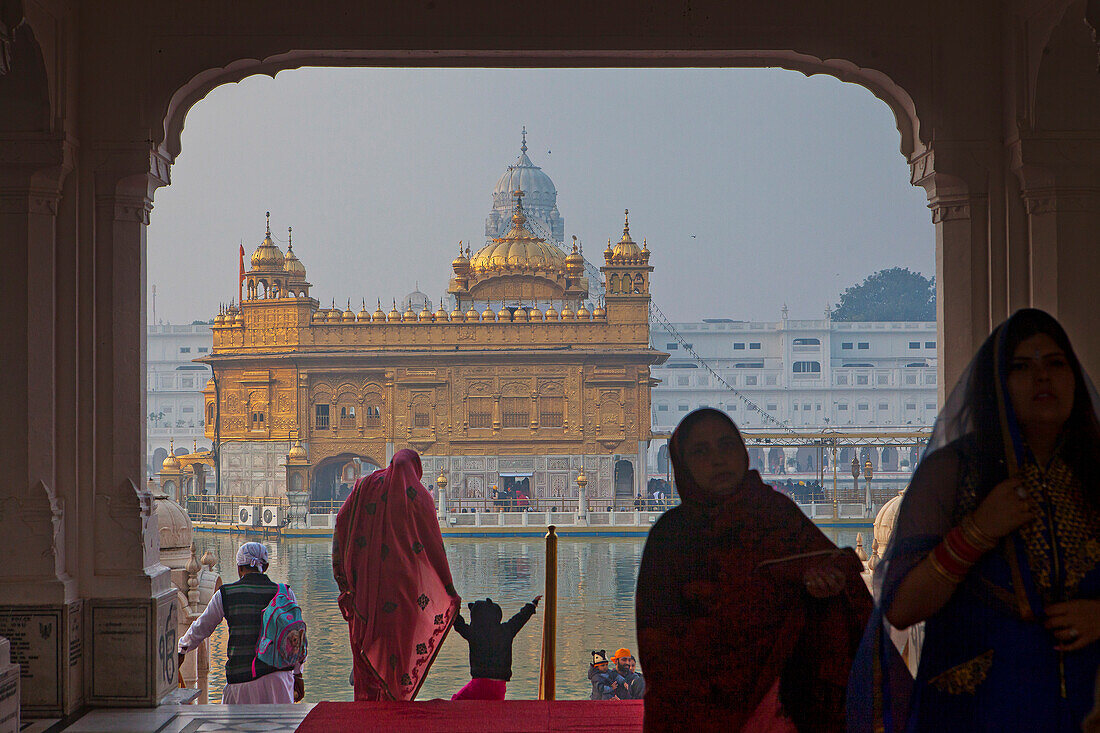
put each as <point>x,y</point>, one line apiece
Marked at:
<point>754,188</point>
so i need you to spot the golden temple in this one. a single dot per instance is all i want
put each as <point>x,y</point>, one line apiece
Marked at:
<point>521,379</point>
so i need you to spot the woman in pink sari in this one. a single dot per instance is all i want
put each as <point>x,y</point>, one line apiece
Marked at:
<point>395,585</point>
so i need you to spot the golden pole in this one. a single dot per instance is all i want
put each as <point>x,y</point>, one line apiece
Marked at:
<point>550,617</point>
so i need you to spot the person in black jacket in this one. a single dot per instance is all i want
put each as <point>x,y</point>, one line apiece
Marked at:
<point>490,648</point>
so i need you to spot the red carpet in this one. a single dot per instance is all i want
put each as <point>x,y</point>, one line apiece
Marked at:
<point>476,716</point>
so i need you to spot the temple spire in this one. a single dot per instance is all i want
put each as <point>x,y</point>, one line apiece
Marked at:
<point>268,214</point>
<point>289,239</point>
<point>523,145</point>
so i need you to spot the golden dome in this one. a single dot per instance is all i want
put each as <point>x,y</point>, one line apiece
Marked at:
<point>566,312</point>
<point>535,314</point>
<point>487,314</point>
<point>583,313</point>
<point>267,256</point>
<point>551,314</point>
<point>219,320</point>
<point>441,314</point>
<point>292,266</point>
<point>518,251</point>
<point>409,316</point>
<point>574,261</point>
<point>520,315</point>
<point>608,251</point>
<point>379,315</point>
<point>626,249</point>
<point>504,314</point>
<point>393,315</point>
<point>238,320</point>
<point>425,315</point>
<point>349,317</point>
<point>599,312</point>
<point>363,316</point>
<point>297,452</point>
<point>456,314</point>
<point>471,315</point>
<point>334,315</point>
<point>461,264</point>
<point>171,463</point>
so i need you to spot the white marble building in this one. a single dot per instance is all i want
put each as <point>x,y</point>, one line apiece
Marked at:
<point>174,384</point>
<point>809,374</point>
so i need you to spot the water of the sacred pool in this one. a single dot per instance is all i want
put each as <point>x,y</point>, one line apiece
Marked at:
<point>596,579</point>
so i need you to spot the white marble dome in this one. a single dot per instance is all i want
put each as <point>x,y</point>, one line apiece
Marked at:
<point>884,523</point>
<point>174,525</point>
<point>523,175</point>
<point>416,301</point>
<point>540,200</point>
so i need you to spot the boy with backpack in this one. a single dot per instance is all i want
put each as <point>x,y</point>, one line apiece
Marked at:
<point>490,648</point>
<point>267,642</point>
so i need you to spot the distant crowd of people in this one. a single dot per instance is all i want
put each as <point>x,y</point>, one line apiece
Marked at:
<point>995,548</point>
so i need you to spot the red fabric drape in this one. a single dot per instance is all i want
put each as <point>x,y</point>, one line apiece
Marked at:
<point>396,591</point>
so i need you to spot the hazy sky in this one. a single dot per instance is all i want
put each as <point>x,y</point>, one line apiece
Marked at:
<point>754,188</point>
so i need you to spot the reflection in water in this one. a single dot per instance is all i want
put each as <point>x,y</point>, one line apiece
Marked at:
<point>596,579</point>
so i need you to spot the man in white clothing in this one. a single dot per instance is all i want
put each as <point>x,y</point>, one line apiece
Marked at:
<point>249,681</point>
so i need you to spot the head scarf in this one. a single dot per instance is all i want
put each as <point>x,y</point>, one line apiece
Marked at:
<point>396,588</point>
<point>976,442</point>
<point>252,554</point>
<point>690,491</point>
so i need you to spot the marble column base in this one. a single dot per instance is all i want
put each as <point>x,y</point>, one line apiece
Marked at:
<point>131,650</point>
<point>46,644</point>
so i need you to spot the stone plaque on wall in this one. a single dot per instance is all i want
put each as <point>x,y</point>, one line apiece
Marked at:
<point>35,634</point>
<point>557,464</point>
<point>119,651</point>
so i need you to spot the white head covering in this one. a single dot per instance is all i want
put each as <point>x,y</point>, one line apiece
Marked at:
<point>252,554</point>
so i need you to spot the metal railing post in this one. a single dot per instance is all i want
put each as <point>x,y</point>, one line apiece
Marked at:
<point>550,617</point>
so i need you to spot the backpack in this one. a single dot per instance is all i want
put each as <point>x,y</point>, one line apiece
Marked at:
<point>282,641</point>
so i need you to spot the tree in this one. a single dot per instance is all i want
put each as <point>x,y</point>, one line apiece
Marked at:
<point>896,294</point>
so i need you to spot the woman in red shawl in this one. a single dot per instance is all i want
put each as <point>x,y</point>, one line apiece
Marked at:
<point>395,585</point>
<point>748,616</point>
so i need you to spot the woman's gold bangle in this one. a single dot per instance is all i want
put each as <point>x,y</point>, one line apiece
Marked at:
<point>943,572</point>
<point>977,537</point>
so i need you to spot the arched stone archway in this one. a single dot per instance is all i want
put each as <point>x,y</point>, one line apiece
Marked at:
<point>1011,222</point>
<point>333,477</point>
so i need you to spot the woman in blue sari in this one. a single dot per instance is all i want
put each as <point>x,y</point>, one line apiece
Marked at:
<point>997,550</point>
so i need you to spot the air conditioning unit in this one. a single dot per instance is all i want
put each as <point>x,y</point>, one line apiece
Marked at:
<point>248,516</point>
<point>273,516</point>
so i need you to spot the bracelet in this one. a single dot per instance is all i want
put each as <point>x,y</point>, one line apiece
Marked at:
<point>942,571</point>
<point>977,537</point>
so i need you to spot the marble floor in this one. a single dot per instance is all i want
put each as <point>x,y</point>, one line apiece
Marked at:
<point>192,719</point>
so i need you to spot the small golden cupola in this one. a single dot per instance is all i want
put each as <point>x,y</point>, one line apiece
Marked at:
<point>626,251</point>
<point>268,257</point>
<point>171,463</point>
<point>379,315</point>
<point>293,266</point>
<point>574,261</point>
